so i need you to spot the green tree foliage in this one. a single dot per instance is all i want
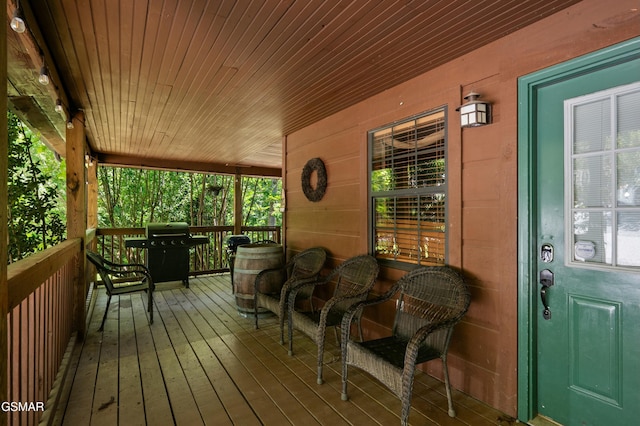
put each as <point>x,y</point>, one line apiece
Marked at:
<point>262,199</point>
<point>35,193</point>
<point>134,197</point>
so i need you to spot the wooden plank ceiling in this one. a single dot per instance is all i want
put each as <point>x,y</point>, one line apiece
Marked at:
<point>190,82</point>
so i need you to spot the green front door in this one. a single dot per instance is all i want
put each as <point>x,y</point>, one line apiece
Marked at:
<point>584,285</point>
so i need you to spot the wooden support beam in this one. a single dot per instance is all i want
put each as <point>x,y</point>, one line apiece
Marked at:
<point>283,235</point>
<point>77,212</point>
<point>185,165</point>
<point>4,156</point>
<point>32,102</point>
<point>237,203</point>
<point>92,193</point>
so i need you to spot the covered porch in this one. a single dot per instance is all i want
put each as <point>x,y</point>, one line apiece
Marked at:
<point>201,362</point>
<point>259,88</point>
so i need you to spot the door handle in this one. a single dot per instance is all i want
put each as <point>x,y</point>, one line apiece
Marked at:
<point>546,280</point>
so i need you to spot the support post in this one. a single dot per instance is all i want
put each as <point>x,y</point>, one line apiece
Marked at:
<point>237,203</point>
<point>92,194</point>
<point>77,213</point>
<point>4,156</point>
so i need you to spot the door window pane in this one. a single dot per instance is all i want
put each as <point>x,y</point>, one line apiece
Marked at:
<point>629,120</point>
<point>628,250</point>
<point>592,181</point>
<point>603,215</point>
<point>592,126</point>
<point>628,174</point>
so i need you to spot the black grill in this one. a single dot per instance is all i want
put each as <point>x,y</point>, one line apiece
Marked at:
<point>233,241</point>
<point>167,247</point>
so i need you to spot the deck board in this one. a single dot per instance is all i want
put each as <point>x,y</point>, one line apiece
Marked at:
<point>202,363</point>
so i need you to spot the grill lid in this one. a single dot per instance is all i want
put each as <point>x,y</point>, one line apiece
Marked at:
<point>233,241</point>
<point>167,230</point>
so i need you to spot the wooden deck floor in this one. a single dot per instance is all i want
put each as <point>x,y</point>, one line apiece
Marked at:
<point>203,363</point>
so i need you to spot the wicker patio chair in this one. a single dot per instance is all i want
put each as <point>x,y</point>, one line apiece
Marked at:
<point>431,301</point>
<point>303,267</point>
<point>139,273</point>
<point>353,279</point>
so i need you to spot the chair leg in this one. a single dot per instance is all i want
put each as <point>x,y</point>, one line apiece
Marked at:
<point>320,339</point>
<point>408,376</point>
<point>106,309</point>
<point>344,396</point>
<point>290,327</point>
<point>452,412</point>
<point>406,405</point>
<point>281,319</point>
<point>404,416</point>
<point>150,307</point>
<point>282,308</point>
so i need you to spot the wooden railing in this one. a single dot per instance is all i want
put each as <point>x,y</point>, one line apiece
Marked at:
<point>41,293</point>
<point>40,326</point>
<point>204,259</point>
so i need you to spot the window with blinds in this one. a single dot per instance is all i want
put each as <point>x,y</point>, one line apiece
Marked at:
<point>408,190</point>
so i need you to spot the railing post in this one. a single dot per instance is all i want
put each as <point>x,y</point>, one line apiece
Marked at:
<point>77,212</point>
<point>4,155</point>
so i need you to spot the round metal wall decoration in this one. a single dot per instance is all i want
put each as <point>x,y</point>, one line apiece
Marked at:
<point>314,165</point>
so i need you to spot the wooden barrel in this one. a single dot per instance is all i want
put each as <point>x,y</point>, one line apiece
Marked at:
<point>250,260</point>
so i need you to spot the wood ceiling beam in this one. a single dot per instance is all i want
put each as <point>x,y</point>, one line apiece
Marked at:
<point>32,102</point>
<point>116,160</point>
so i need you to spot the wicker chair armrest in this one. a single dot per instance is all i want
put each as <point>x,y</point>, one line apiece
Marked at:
<point>293,293</point>
<point>418,338</point>
<point>337,299</point>
<point>356,309</point>
<point>262,275</point>
<point>296,283</point>
<point>288,267</point>
<point>324,313</point>
<point>301,284</point>
<point>293,284</point>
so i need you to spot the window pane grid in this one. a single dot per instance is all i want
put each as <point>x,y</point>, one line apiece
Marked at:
<point>604,167</point>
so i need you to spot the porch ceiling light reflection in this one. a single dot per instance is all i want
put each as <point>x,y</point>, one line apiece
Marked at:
<point>474,113</point>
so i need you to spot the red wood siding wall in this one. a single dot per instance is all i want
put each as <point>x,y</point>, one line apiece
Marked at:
<point>482,181</point>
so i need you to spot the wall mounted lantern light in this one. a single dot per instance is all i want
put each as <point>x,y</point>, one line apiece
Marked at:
<point>474,113</point>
